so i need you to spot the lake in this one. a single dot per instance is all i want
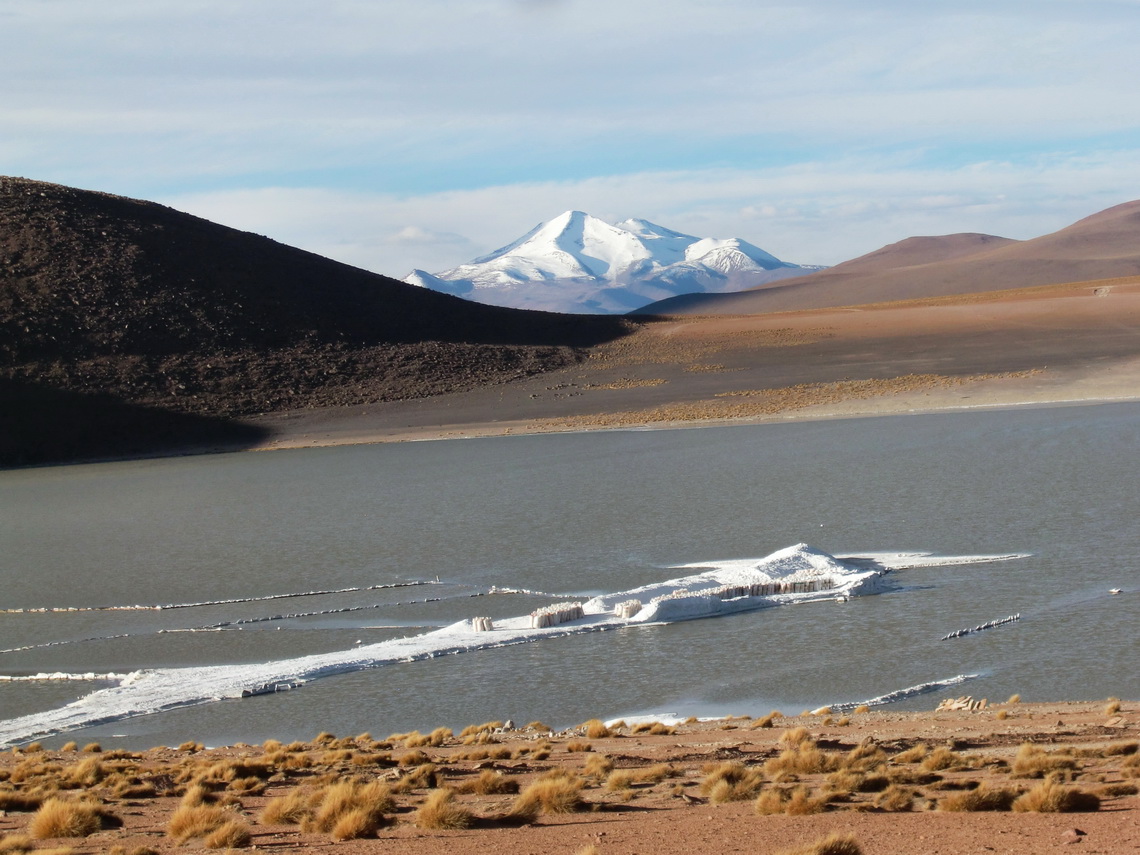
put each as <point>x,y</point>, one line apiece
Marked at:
<point>283,554</point>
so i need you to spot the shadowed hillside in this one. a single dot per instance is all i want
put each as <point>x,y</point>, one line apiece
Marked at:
<point>1103,246</point>
<point>150,306</point>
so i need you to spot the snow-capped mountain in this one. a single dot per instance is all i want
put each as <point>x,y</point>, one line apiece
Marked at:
<point>579,263</point>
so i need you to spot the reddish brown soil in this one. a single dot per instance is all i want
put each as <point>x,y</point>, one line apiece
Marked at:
<point>1067,343</point>
<point>670,813</point>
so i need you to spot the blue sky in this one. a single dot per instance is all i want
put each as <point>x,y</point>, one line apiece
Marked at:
<point>422,133</point>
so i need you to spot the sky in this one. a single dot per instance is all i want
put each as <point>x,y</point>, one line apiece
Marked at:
<point>422,133</point>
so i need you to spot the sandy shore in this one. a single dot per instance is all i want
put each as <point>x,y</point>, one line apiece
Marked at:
<point>1059,345</point>
<point>889,779</point>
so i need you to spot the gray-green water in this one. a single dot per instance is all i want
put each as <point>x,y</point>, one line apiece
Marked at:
<point>577,514</point>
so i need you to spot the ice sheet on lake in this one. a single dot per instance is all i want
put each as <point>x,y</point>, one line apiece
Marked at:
<point>708,593</point>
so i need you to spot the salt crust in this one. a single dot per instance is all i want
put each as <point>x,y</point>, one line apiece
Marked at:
<point>150,691</point>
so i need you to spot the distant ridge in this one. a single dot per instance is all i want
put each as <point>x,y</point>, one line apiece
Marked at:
<point>579,263</point>
<point>101,294</point>
<point>1102,246</point>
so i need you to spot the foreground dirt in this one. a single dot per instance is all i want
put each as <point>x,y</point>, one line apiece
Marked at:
<point>889,779</point>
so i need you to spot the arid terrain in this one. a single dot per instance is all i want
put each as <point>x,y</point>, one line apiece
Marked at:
<point>1071,343</point>
<point>129,329</point>
<point>1010,778</point>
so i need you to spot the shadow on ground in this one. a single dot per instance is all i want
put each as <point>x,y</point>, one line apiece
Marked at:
<point>40,426</point>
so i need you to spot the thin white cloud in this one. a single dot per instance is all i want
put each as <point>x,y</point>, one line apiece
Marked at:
<point>826,127</point>
<point>819,213</point>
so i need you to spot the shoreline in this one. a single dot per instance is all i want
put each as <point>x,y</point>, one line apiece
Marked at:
<point>353,427</point>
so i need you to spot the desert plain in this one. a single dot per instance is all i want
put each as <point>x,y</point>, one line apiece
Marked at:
<point>939,782</point>
<point>1073,343</point>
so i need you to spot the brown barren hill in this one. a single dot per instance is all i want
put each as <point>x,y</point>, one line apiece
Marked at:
<point>130,305</point>
<point>1103,246</point>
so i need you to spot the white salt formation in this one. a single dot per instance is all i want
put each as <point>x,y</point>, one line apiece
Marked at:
<point>798,574</point>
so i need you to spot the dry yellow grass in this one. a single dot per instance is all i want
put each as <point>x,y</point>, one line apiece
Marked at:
<point>981,799</point>
<point>1050,796</point>
<point>439,811</point>
<point>489,782</point>
<point>730,782</point>
<point>16,843</point>
<point>337,800</point>
<point>66,818</point>
<point>1033,761</point>
<point>196,821</point>
<point>896,798</point>
<point>805,758</point>
<point>550,795</point>
<point>832,844</point>
<point>942,758</point>
<point>596,729</point>
<point>233,834</point>
<point>801,802</point>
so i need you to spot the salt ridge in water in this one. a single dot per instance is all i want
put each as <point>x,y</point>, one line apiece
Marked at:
<point>797,574</point>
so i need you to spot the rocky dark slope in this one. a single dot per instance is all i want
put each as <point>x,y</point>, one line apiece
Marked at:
<point>151,307</point>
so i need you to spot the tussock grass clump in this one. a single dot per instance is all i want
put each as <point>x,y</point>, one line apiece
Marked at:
<point>795,736</point>
<point>68,747</point>
<point>1014,699</point>
<point>654,728</point>
<point>914,754</point>
<point>833,844</point>
<point>488,783</point>
<point>1033,761</point>
<point>64,818</point>
<point>196,821</point>
<point>439,811</point>
<point>550,795</point>
<point>86,773</point>
<point>851,781</point>
<point>424,777</point>
<point>1112,707</point>
<point>16,843</point>
<point>1050,796</point>
<point>864,757</point>
<point>598,766</point>
<point>197,794</point>
<point>356,823</point>
<point>1130,768</point>
<point>233,834</point>
<point>596,729</point>
<point>656,773</point>
<point>289,809</point>
<point>770,801</point>
<point>345,797</point>
<point>1109,791</point>
<point>981,799</point>
<point>414,758</point>
<point>802,803</point>
<point>19,802</point>
<point>92,748</point>
<point>730,782</point>
<point>1119,749</point>
<point>942,758</point>
<point>896,799</point>
<point>804,758</point>
<point>620,779</point>
<point>574,747</point>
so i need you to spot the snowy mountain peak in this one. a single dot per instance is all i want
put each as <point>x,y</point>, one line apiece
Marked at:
<point>576,262</point>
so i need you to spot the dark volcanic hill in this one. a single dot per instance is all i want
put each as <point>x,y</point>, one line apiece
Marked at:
<point>142,305</point>
<point>1102,246</point>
